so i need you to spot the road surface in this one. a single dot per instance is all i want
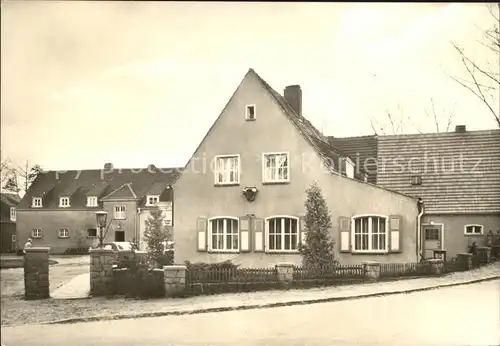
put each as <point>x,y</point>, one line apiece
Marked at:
<point>461,315</point>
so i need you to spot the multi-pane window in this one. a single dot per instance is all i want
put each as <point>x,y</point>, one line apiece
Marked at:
<point>276,168</point>
<point>36,202</point>
<point>120,212</point>
<point>36,233</point>
<point>63,233</point>
<point>224,234</point>
<point>227,169</point>
<point>12,214</point>
<point>370,233</point>
<point>92,201</point>
<point>64,202</point>
<point>473,229</point>
<point>92,232</point>
<point>152,200</point>
<point>282,233</point>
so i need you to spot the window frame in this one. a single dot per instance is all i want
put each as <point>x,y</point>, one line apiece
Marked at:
<point>216,171</point>
<point>266,234</point>
<point>92,198</point>
<point>148,197</point>
<point>63,236</point>
<point>38,236</point>
<point>91,236</point>
<point>120,215</point>
<point>224,234</point>
<point>247,117</point>
<point>264,167</point>
<point>370,234</point>
<point>13,214</point>
<point>473,225</point>
<point>34,202</point>
<point>65,198</point>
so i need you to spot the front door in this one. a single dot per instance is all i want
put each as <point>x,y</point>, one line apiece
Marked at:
<point>432,239</point>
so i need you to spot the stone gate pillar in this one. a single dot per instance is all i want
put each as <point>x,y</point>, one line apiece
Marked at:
<point>36,273</point>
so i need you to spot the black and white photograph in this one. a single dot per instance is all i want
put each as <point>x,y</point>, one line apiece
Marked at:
<point>182,173</point>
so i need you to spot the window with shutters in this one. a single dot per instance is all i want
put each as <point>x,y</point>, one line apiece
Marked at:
<point>227,169</point>
<point>473,229</point>
<point>282,234</point>
<point>369,233</point>
<point>223,234</point>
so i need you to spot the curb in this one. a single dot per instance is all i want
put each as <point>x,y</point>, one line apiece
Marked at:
<point>256,306</point>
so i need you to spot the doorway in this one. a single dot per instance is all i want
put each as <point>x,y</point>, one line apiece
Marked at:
<point>119,235</point>
<point>432,239</point>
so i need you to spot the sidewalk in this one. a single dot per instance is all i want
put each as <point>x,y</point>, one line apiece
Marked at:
<point>77,288</point>
<point>122,308</point>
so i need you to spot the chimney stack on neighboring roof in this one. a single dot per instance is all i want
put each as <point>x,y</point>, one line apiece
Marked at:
<point>293,96</point>
<point>151,168</point>
<point>460,128</point>
<point>108,167</point>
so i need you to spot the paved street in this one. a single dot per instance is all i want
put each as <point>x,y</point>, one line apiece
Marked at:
<point>462,315</point>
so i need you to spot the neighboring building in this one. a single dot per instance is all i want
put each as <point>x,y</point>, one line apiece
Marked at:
<point>8,205</point>
<point>250,207</point>
<point>59,208</point>
<point>457,175</point>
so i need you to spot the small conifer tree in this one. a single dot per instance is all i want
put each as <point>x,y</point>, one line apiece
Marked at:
<point>156,234</point>
<point>318,252</point>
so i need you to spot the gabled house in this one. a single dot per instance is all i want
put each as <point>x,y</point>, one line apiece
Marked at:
<point>456,174</point>
<point>241,195</point>
<point>8,217</point>
<point>59,208</point>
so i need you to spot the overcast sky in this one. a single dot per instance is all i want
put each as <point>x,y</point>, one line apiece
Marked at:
<point>135,83</point>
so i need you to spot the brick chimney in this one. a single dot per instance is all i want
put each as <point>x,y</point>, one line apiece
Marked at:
<point>293,96</point>
<point>460,128</point>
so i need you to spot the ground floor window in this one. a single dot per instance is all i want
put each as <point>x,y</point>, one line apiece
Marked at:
<point>223,234</point>
<point>36,233</point>
<point>473,229</point>
<point>370,233</point>
<point>63,233</point>
<point>282,233</point>
<point>91,232</point>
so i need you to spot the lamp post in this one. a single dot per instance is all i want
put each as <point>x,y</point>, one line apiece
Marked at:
<point>101,217</point>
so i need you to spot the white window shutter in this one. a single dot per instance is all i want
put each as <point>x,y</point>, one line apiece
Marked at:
<point>201,225</point>
<point>395,238</point>
<point>345,234</point>
<point>258,231</point>
<point>302,229</point>
<point>244,226</point>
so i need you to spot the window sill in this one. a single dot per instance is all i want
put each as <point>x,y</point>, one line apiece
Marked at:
<point>36,206</point>
<point>369,252</point>
<point>281,252</point>
<point>226,184</point>
<point>92,206</point>
<point>63,237</point>
<point>276,182</point>
<point>473,235</point>
<point>223,251</point>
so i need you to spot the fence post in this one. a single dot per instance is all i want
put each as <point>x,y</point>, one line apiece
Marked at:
<point>436,266</point>
<point>284,271</point>
<point>484,253</point>
<point>36,273</point>
<point>101,272</point>
<point>371,270</point>
<point>175,280</point>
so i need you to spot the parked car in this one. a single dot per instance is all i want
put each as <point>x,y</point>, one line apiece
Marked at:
<point>119,246</point>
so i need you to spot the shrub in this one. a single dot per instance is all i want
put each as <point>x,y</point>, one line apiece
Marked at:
<point>76,251</point>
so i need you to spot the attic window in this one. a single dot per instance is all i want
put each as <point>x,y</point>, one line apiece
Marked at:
<point>152,200</point>
<point>92,201</point>
<point>64,202</point>
<point>36,202</point>
<point>416,180</point>
<point>250,112</point>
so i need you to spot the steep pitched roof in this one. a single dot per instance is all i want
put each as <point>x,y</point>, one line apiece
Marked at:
<point>10,199</point>
<point>93,182</point>
<point>362,150</point>
<point>123,192</point>
<point>460,171</point>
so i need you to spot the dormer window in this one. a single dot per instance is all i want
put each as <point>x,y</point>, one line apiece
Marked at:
<point>36,202</point>
<point>63,202</point>
<point>152,200</point>
<point>250,112</point>
<point>92,201</point>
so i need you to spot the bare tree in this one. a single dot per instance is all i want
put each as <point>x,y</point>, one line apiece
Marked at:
<point>483,80</point>
<point>19,179</point>
<point>394,123</point>
<point>4,170</point>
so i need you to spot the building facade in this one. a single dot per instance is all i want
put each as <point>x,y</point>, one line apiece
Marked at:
<point>241,195</point>
<point>8,217</point>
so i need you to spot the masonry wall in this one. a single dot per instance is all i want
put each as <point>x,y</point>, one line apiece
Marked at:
<point>455,241</point>
<point>129,225</point>
<point>76,221</point>
<point>197,196</point>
